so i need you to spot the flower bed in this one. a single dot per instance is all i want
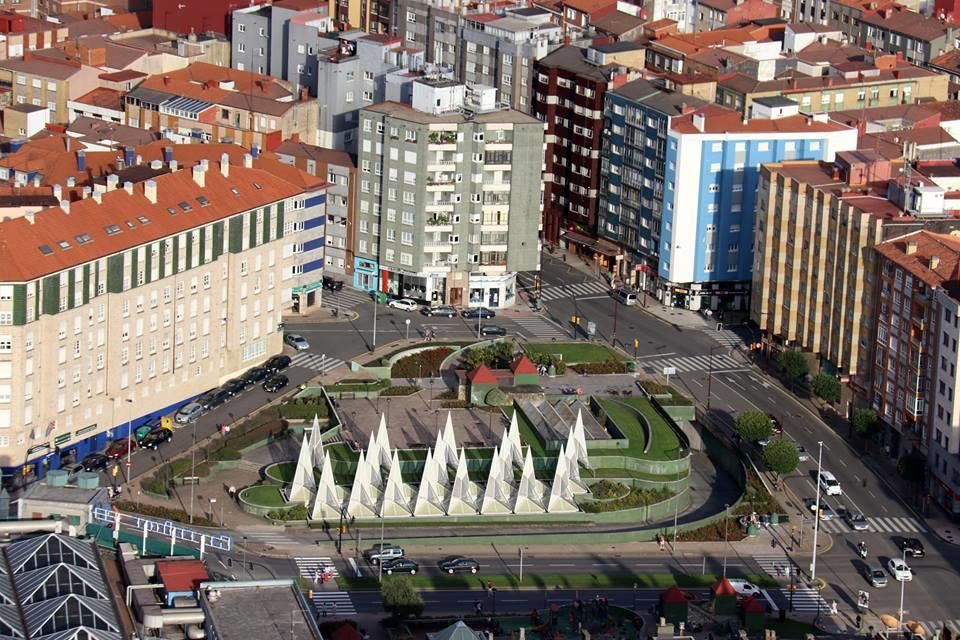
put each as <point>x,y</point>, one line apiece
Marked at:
<point>163,513</point>
<point>422,364</point>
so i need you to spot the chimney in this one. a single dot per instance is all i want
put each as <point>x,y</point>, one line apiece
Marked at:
<point>65,205</point>
<point>121,163</point>
<point>128,187</point>
<point>699,122</point>
<point>113,181</point>
<point>247,161</point>
<point>911,247</point>
<point>36,182</point>
<point>139,160</point>
<point>81,161</point>
<point>156,165</point>
<point>30,216</point>
<point>174,165</point>
<point>199,175</point>
<point>294,137</point>
<point>71,182</point>
<point>835,172</point>
<point>86,193</point>
<point>205,164</point>
<point>150,191</point>
<point>255,151</point>
<point>225,165</point>
<point>57,192</point>
<point>166,80</point>
<point>934,262</point>
<point>304,94</point>
<point>98,197</point>
<point>168,154</point>
<point>129,156</point>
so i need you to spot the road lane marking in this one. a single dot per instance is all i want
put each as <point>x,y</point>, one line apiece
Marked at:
<point>561,565</point>
<point>842,463</point>
<point>594,298</point>
<point>657,355</point>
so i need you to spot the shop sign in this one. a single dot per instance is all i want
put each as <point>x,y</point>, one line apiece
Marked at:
<point>307,288</point>
<point>36,448</point>
<point>86,429</point>
<point>369,266</point>
<point>66,437</point>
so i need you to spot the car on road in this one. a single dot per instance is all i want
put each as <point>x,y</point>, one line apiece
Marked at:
<point>121,447</point>
<point>460,564</point>
<point>443,310</point>
<point>296,341</point>
<point>775,425</point>
<point>829,484</point>
<point>876,577</point>
<point>899,570</point>
<point>404,304</point>
<point>386,553</point>
<point>188,413</point>
<point>156,438</point>
<point>95,462</point>
<point>234,386</point>
<point>141,432</point>
<point>214,399</point>
<point>400,565</point>
<point>255,375</point>
<point>826,513</point>
<point>277,363</point>
<point>492,330</point>
<point>482,312</point>
<point>802,454</point>
<point>911,546</point>
<point>856,521</point>
<point>744,588</point>
<point>275,383</point>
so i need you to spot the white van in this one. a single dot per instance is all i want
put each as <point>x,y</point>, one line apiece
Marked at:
<point>625,296</point>
<point>829,484</point>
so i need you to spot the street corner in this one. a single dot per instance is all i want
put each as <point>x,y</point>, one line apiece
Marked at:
<point>323,316</point>
<point>945,530</point>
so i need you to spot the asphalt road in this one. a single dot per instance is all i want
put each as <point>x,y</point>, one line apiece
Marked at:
<point>738,387</point>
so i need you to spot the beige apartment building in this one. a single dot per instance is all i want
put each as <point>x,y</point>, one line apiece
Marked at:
<point>125,304</point>
<point>47,79</point>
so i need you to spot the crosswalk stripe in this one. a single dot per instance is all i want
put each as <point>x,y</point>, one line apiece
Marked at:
<point>685,364</point>
<point>308,567</point>
<point>344,299</point>
<point>333,603</point>
<point>317,362</point>
<point>266,537</point>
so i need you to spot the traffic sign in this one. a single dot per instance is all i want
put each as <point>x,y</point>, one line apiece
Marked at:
<point>129,464</point>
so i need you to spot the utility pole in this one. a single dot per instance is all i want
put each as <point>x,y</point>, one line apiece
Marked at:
<point>816,514</point>
<point>193,468</point>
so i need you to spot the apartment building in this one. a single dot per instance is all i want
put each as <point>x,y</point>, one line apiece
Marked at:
<point>638,116</point>
<point>48,79</point>
<point>340,171</point>
<point>122,305</point>
<point>449,200</point>
<point>281,39</point>
<point>943,459</point>
<point>897,29</point>
<point>206,103</point>
<point>22,33</point>
<point>712,173</point>
<point>576,16</point>
<point>709,15</point>
<point>570,87</point>
<point>433,26</point>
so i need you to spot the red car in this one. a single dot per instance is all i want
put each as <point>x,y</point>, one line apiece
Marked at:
<point>120,448</point>
<point>775,425</point>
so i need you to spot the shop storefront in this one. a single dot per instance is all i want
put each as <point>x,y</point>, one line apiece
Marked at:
<point>426,289</point>
<point>366,274</point>
<point>494,292</point>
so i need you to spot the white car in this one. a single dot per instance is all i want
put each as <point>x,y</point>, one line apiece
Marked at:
<point>404,304</point>
<point>829,484</point>
<point>296,341</point>
<point>744,588</point>
<point>899,570</point>
<point>802,454</point>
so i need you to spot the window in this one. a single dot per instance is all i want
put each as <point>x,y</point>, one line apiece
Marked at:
<point>242,28</point>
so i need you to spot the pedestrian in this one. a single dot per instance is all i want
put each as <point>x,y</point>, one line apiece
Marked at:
<point>833,608</point>
<point>489,589</point>
<point>773,543</point>
<point>334,609</point>
<point>323,609</point>
<point>316,576</point>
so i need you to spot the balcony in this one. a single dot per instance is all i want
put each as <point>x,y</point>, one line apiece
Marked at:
<point>439,205</point>
<point>440,182</point>
<point>438,222</point>
<point>442,140</point>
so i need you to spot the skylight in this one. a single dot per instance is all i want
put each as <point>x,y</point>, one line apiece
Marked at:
<point>185,206</point>
<point>112,229</point>
<point>45,249</point>
<point>63,244</point>
<point>83,238</point>
<point>143,219</point>
<point>171,211</point>
<point>257,186</point>
<point>130,224</point>
<point>203,201</point>
<point>235,191</point>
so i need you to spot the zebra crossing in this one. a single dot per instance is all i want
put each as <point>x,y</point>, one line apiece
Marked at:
<point>315,361</point>
<point>720,363</point>
<point>576,290</point>
<point>308,567</point>
<point>540,328</point>
<point>727,337</point>
<point>775,564</point>
<point>266,536</point>
<point>344,299</point>
<point>327,603</point>
<point>804,600</point>
<point>883,525</point>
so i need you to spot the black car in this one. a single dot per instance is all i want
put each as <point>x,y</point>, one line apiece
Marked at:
<point>492,330</point>
<point>275,383</point>
<point>460,565</point>
<point>400,565</point>
<point>155,438</point>
<point>255,375</point>
<point>911,546</point>
<point>234,386</point>
<point>277,363</point>
<point>214,398</point>
<point>95,462</point>
<point>331,284</point>
<point>482,312</point>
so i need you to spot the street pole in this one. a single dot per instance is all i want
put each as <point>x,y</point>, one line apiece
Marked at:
<point>676,503</point>
<point>129,436</point>
<point>407,322</point>
<point>816,515</point>
<point>376,303</point>
<point>613,336</point>
<point>193,468</point>
<point>380,562</point>
<point>726,522</point>
<point>479,318</point>
<point>903,584</point>
<point>521,564</point>
<point>340,531</point>
<point>710,374</point>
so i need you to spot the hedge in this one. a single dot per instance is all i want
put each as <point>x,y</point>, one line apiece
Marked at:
<point>377,385</point>
<point>599,368</point>
<point>298,512</point>
<point>400,391</point>
<point>305,408</point>
<point>423,364</point>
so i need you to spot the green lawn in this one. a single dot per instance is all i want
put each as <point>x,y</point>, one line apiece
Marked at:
<point>574,352</point>
<point>267,495</point>
<point>282,472</point>
<point>587,581</point>
<point>623,412</point>
<point>610,472</point>
<point>528,436</point>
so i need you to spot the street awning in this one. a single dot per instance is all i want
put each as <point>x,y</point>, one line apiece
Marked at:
<point>597,245</point>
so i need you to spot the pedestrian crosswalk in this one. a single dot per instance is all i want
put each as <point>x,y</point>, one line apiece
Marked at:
<point>726,337</point>
<point>273,537</point>
<point>344,299</point>
<point>316,361</point>
<point>308,567</point>
<point>327,603</point>
<point>804,600</point>
<point>719,363</point>
<point>576,290</point>
<point>882,525</point>
<point>775,565</point>
<point>539,327</point>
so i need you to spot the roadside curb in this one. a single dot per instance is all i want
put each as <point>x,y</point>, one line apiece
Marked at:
<point>343,316</point>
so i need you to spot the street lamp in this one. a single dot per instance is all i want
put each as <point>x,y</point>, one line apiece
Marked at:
<point>129,438</point>
<point>213,502</point>
<point>407,322</point>
<point>376,303</point>
<point>903,584</point>
<point>726,522</point>
<point>193,468</point>
<point>816,514</point>
<point>710,372</point>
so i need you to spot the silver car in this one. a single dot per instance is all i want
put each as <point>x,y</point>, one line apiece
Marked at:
<point>296,341</point>
<point>188,413</point>
<point>877,577</point>
<point>856,521</point>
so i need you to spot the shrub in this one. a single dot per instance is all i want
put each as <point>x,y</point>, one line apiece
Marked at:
<point>273,429</point>
<point>305,408</point>
<point>156,486</point>
<point>497,356</point>
<point>497,398</point>
<point>456,404</point>
<point>163,513</point>
<point>600,368</point>
<point>449,394</point>
<point>723,529</point>
<point>548,359</point>
<point>606,489</point>
<point>400,391</point>
<point>617,496</point>
<point>352,387</point>
<point>298,512</point>
<point>423,364</point>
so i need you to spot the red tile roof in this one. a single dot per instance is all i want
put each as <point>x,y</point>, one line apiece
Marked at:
<point>181,575</point>
<point>104,98</point>
<point>482,375</point>
<point>718,119</point>
<point>928,245</point>
<point>523,366</point>
<point>673,595</point>
<point>722,587</point>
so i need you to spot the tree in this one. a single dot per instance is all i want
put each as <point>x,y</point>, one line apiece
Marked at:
<point>781,457</point>
<point>865,422</point>
<point>474,357</point>
<point>913,468</point>
<point>826,387</point>
<point>399,597</point>
<point>754,425</point>
<point>792,364</point>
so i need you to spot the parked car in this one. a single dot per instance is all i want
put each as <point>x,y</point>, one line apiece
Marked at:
<point>73,470</point>
<point>899,570</point>
<point>404,304</point>
<point>492,330</point>
<point>386,553</point>
<point>275,383</point>
<point>400,565</point>
<point>255,375</point>
<point>911,546</point>
<point>214,398</point>
<point>277,363</point>
<point>856,521</point>
<point>188,413</point>
<point>121,447</point>
<point>460,564</point>
<point>331,284</point>
<point>876,577</point>
<point>296,341</point>
<point>744,588</point>
<point>443,310</point>
<point>95,462</point>
<point>234,386</point>
<point>482,312</point>
<point>156,438</point>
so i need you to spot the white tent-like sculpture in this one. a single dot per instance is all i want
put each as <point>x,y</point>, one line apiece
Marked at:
<point>576,440</point>
<point>316,438</point>
<point>383,444</point>
<point>511,442</point>
<point>373,460</point>
<point>561,499</point>
<point>397,497</point>
<point>465,495</point>
<point>329,499</point>
<point>364,495</point>
<point>498,495</point>
<point>531,495</point>
<point>303,486</point>
<point>577,485</point>
<point>432,495</point>
<point>450,442</point>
